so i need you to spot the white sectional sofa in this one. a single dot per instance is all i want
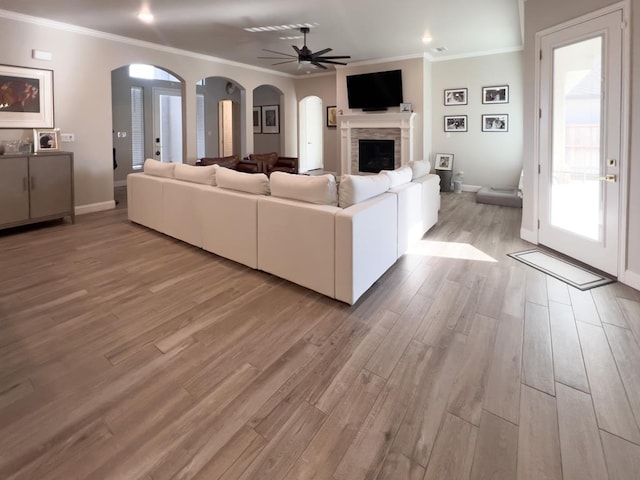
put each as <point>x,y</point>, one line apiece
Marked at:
<point>336,240</point>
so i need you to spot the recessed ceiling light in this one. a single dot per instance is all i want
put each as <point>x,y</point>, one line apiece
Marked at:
<point>427,39</point>
<point>145,15</point>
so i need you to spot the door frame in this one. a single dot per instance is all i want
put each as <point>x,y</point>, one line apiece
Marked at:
<point>625,111</point>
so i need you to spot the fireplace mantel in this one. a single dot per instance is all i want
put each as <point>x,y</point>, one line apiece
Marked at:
<point>349,122</point>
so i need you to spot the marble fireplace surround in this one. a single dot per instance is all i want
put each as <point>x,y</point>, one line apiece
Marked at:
<point>375,126</point>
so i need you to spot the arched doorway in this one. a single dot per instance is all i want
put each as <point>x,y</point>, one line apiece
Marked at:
<point>310,150</point>
<point>268,132</point>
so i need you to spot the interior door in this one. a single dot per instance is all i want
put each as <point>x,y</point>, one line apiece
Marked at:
<point>311,134</point>
<point>167,125</point>
<point>225,128</point>
<point>580,140</point>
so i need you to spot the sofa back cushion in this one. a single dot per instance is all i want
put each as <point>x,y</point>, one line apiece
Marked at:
<point>318,189</point>
<point>358,188</point>
<point>400,176</point>
<point>159,169</point>
<point>269,159</point>
<point>193,174</point>
<point>256,183</point>
<point>420,168</point>
<point>228,162</point>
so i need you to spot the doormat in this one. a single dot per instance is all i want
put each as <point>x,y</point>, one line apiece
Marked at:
<point>563,270</point>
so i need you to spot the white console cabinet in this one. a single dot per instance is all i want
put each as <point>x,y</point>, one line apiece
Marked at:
<point>35,187</point>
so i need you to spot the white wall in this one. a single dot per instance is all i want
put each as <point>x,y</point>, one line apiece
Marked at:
<point>412,89</point>
<point>540,15</point>
<point>82,66</point>
<point>486,158</point>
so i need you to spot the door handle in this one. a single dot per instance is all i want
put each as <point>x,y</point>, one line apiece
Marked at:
<point>609,177</point>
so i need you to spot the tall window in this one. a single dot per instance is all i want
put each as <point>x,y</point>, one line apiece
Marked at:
<point>149,72</point>
<point>137,128</point>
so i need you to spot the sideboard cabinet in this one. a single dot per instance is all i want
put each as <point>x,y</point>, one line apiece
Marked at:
<point>36,187</point>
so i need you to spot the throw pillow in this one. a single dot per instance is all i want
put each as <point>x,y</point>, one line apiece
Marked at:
<point>158,169</point>
<point>420,168</point>
<point>256,183</point>
<point>358,188</point>
<point>318,189</point>
<point>193,174</point>
<point>400,176</point>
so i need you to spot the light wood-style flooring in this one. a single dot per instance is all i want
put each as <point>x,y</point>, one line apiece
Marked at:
<point>125,354</point>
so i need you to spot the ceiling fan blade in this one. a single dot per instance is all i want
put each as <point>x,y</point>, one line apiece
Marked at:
<point>333,57</point>
<point>286,61</point>
<point>296,49</point>
<point>329,61</point>
<point>279,53</point>
<point>318,64</point>
<point>277,58</point>
<point>321,52</point>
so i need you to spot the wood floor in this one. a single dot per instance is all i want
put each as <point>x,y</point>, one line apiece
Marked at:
<point>125,354</point>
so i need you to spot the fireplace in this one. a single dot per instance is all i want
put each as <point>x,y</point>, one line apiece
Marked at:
<point>375,155</point>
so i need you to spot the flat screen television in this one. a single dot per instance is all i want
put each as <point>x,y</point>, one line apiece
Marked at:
<point>375,91</point>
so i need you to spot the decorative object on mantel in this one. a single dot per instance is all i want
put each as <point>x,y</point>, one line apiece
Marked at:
<point>406,108</point>
<point>455,96</point>
<point>444,161</point>
<point>26,97</point>
<point>46,140</point>
<point>499,94</point>
<point>495,123</point>
<point>455,123</point>
<point>271,119</point>
<point>332,117</point>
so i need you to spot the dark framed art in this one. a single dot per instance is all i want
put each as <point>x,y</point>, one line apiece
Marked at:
<point>26,97</point>
<point>257,119</point>
<point>495,123</point>
<point>455,96</point>
<point>455,123</point>
<point>332,116</point>
<point>271,119</point>
<point>499,94</point>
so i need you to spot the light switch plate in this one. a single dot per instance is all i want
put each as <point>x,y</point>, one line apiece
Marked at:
<point>68,137</point>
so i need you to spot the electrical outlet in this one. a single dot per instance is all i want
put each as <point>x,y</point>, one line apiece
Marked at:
<point>68,137</point>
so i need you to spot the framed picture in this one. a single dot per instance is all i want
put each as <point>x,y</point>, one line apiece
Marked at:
<point>46,140</point>
<point>271,119</point>
<point>332,116</point>
<point>455,96</point>
<point>444,161</point>
<point>406,108</point>
<point>257,119</point>
<point>495,123</point>
<point>26,97</point>
<point>498,94</point>
<point>455,123</point>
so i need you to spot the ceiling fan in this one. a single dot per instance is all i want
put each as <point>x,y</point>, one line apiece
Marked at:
<point>307,57</point>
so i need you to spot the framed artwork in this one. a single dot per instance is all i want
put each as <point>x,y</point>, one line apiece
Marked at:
<point>499,94</point>
<point>26,97</point>
<point>406,108</point>
<point>495,123</point>
<point>455,96</point>
<point>257,119</point>
<point>271,119</point>
<point>46,140</point>
<point>455,123</point>
<point>332,116</point>
<point>444,161</point>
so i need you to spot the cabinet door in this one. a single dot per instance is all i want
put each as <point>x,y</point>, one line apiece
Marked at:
<point>50,183</point>
<point>14,191</point>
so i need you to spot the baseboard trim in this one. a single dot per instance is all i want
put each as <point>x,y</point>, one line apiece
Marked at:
<point>631,278</point>
<point>529,236</point>
<point>120,183</point>
<point>95,207</point>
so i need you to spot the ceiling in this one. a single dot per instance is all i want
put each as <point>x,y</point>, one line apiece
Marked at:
<point>364,29</point>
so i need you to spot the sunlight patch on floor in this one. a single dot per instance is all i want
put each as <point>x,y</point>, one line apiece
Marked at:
<point>461,251</point>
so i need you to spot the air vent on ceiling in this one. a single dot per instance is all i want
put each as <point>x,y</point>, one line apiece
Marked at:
<point>439,49</point>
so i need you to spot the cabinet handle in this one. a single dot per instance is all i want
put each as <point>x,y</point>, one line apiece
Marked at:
<point>24,184</point>
<point>33,183</point>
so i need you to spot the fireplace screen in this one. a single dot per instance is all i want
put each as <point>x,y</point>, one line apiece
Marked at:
<point>375,155</point>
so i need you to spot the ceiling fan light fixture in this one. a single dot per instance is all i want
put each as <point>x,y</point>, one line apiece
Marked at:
<point>145,15</point>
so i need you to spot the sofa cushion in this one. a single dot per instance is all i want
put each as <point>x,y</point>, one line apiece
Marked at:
<point>159,169</point>
<point>230,162</point>
<point>257,183</point>
<point>319,189</point>
<point>358,188</point>
<point>419,168</point>
<point>399,176</point>
<point>193,174</point>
